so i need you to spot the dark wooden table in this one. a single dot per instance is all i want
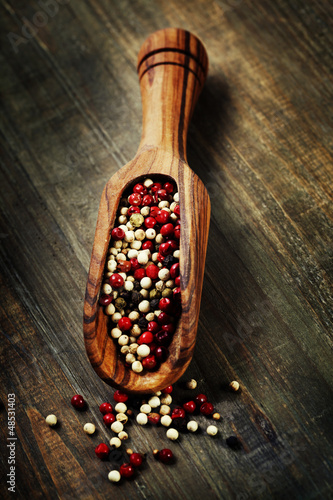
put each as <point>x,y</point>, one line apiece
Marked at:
<point>261,141</point>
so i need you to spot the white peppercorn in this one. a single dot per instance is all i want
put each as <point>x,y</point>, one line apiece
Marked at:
<point>145,408</point>
<point>191,384</point>
<point>166,420</point>
<point>140,234</point>
<point>154,401</point>
<point>146,283</point>
<point>137,366</point>
<point>89,428</point>
<point>172,434</point>
<point>120,408</point>
<point>143,350</point>
<point>166,399</point>
<point>192,426</point>
<point>117,427</point>
<point>212,430</point>
<point>106,289</point>
<point>114,476</point>
<point>129,236</point>
<point>110,309</point>
<point>51,420</point>
<point>116,333</point>
<point>165,410</point>
<point>130,358</point>
<point>123,435</point>
<point>144,306</point>
<point>123,340</point>
<point>164,274</point>
<point>128,285</point>
<point>141,418</point>
<point>150,234</point>
<point>234,385</point>
<point>115,442</point>
<point>148,183</point>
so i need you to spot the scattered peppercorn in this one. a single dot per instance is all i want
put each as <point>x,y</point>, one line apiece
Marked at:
<point>233,442</point>
<point>78,402</point>
<point>234,385</point>
<point>51,420</point>
<point>102,451</point>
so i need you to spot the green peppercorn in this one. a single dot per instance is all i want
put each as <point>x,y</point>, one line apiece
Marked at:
<point>137,220</point>
<point>120,304</point>
<point>154,294</point>
<point>167,292</point>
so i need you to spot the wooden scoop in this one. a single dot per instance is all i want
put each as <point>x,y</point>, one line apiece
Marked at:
<point>172,67</point>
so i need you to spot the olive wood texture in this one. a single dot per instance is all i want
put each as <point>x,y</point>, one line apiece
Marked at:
<point>172,66</point>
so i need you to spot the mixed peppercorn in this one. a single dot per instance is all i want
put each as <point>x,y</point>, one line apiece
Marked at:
<point>141,288</point>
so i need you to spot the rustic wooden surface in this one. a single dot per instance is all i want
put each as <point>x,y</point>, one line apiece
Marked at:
<point>260,140</point>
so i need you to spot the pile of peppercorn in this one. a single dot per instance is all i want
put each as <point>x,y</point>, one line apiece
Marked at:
<point>141,287</point>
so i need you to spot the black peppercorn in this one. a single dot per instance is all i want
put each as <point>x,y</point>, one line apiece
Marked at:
<point>169,261</point>
<point>154,303</point>
<point>233,442</point>
<point>143,323</point>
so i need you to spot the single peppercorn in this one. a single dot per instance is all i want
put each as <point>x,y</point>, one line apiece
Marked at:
<point>120,396</point>
<point>102,451</point>
<point>165,456</point>
<point>206,409</point>
<point>136,459</point>
<point>78,402</point>
<point>105,408</point>
<point>233,442</point>
<point>126,470</point>
<point>234,385</point>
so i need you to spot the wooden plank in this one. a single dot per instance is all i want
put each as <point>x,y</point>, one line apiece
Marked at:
<point>261,141</point>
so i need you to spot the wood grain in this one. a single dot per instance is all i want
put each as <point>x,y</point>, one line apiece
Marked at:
<point>169,92</point>
<point>260,139</point>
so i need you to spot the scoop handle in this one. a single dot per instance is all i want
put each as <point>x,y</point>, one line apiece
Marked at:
<point>172,68</point>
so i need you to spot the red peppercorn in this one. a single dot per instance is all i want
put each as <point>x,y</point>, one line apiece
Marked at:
<point>154,418</point>
<point>167,229</point>
<point>155,187</point>
<point>163,338</point>
<point>165,305</point>
<point>150,222</point>
<point>78,402</point>
<point>136,459</point>
<point>162,194</point>
<point>200,399</point>
<point>152,271</point>
<point>140,188</point>
<point>177,232</point>
<point>108,419</point>
<point>176,210</point>
<point>120,396</point>
<point>135,199</point>
<point>139,274</point>
<point>167,390</point>
<point>134,264</point>
<point>160,258</point>
<point>161,353</point>
<point>147,200</point>
<point>149,362</point>
<point>168,187</point>
<point>165,456</point>
<point>174,270</point>
<point>117,234</point>
<point>152,347</point>
<point>105,299</point>
<point>169,328</point>
<point>189,407</point>
<point>124,266</point>
<point>126,470</point>
<point>133,210</point>
<point>164,318</point>
<point>116,281</point>
<point>124,324</point>
<point>163,216</point>
<point>105,408</point>
<point>154,211</point>
<point>206,409</point>
<point>145,338</point>
<point>165,248</point>
<point>174,245</point>
<point>153,327</point>
<point>178,413</point>
<point>148,245</point>
<point>177,281</point>
<point>102,451</point>
<point>177,294</point>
